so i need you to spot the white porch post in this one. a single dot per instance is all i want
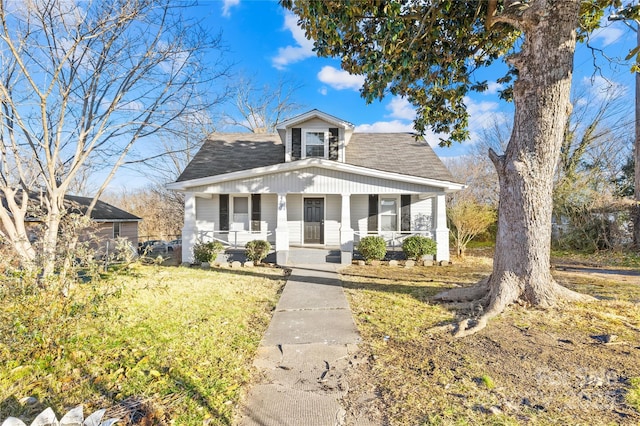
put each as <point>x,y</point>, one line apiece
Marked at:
<point>441,232</point>
<point>189,229</point>
<point>282,231</point>
<point>346,233</point>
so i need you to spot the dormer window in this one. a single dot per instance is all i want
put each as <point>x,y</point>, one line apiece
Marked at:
<point>315,143</point>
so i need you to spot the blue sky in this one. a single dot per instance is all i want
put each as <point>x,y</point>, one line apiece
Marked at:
<point>265,44</point>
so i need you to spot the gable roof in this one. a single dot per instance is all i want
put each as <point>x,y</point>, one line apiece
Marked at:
<point>311,114</point>
<point>102,211</point>
<point>398,153</point>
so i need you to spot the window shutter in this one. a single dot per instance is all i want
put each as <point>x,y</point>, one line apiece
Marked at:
<point>333,144</point>
<point>405,213</point>
<point>296,143</point>
<point>372,223</point>
<point>224,212</point>
<point>255,212</point>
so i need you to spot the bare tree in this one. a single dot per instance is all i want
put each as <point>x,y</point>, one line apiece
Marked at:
<point>81,83</point>
<point>261,109</point>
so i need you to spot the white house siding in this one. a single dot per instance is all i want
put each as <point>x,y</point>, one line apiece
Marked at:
<point>294,218</point>
<point>207,218</point>
<point>332,212</point>
<point>421,213</point>
<point>359,215</point>
<point>315,180</point>
<point>268,215</point>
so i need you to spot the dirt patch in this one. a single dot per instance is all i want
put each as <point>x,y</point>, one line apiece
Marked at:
<point>573,364</point>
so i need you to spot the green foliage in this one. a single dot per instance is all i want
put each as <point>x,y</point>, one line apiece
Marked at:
<point>417,246</point>
<point>257,250</point>
<point>372,247</point>
<point>468,218</point>
<point>633,395</point>
<point>487,381</point>
<point>207,252</point>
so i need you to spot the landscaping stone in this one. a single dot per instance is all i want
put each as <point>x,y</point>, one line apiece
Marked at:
<point>205,265</point>
<point>249,264</point>
<point>236,264</point>
<point>361,262</point>
<point>223,264</point>
<point>375,263</point>
<point>393,263</point>
<point>427,262</point>
<point>409,264</point>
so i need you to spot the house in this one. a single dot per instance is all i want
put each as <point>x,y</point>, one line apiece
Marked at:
<point>314,183</point>
<point>109,222</point>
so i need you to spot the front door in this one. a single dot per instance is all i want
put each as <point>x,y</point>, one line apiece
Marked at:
<point>314,220</point>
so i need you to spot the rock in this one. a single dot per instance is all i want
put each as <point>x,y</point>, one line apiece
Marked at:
<point>249,264</point>
<point>29,400</point>
<point>185,264</point>
<point>409,264</point>
<point>361,262</point>
<point>375,263</point>
<point>393,263</point>
<point>495,410</point>
<point>223,264</point>
<point>236,264</point>
<point>205,265</point>
<point>427,262</point>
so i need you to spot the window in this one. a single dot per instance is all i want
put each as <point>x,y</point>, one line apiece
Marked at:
<point>116,229</point>
<point>240,214</point>
<point>388,214</point>
<point>315,143</point>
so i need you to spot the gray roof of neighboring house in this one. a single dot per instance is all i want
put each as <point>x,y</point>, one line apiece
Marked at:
<point>390,152</point>
<point>102,210</point>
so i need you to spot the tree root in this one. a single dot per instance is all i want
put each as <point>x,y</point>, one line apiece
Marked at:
<point>494,297</point>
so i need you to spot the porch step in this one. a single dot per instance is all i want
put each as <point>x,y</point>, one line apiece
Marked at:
<point>313,256</point>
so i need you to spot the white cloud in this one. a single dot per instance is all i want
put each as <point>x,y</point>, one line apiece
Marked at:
<point>291,54</point>
<point>608,34</point>
<point>323,91</point>
<point>601,88</point>
<point>227,5</point>
<point>493,88</point>
<point>401,108</point>
<point>339,79</point>
<point>394,126</point>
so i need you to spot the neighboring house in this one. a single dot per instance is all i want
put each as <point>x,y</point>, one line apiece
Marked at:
<point>316,183</point>
<point>109,221</point>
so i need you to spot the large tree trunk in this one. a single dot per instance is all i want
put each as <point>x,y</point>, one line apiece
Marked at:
<point>521,269</point>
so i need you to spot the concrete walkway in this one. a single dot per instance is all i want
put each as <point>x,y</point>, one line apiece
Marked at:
<point>304,354</point>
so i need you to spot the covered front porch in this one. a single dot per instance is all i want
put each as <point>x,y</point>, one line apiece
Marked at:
<point>313,221</point>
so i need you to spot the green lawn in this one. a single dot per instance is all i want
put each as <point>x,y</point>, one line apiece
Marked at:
<point>172,344</point>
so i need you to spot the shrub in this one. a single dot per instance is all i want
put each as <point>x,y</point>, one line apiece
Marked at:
<point>207,252</point>
<point>372,248</point>
<point>417,246</point>
<point>257,250</point>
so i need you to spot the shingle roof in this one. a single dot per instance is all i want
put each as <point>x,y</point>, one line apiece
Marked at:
<point>231,152</point>
<point>398,153</point>
<point>391,152</point>
<point>102,210</point>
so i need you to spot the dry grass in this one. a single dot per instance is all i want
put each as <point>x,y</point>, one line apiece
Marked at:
<point>528,367</point>
<point>176,346</point>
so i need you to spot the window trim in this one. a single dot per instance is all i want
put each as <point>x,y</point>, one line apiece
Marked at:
<point>327,137</point>
<point>381,213</point>
<point>116,234</point>
<point>232,213</point>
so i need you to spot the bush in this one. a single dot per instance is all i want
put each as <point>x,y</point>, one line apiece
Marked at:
<point>257,250</point>
<point>372,248</point>
<point>417,246</point>
<point>207,252</point>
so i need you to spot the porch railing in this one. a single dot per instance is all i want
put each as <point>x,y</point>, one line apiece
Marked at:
<point>232,236</point>
<point>393,239</point>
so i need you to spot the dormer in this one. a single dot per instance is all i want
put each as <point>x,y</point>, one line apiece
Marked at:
<point>315,134</point>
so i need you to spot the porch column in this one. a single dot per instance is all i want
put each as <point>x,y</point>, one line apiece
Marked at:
<point>282,231</point>
<point>441,232</point>
<point>346,233</point>
<point>189,229</point>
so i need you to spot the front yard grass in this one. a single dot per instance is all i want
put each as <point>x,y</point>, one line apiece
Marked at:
<point>529,366</point>
<point>175,347</point>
